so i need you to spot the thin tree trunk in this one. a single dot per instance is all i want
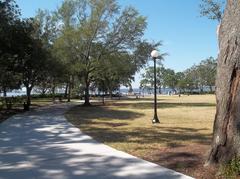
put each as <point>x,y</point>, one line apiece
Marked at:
<point>119,93</point>
<point>111,94</point>
<point>201,89</point>
<point>66,91</point>
<point>103,98</point>
<point>226,138</point>
<point>86,97</point>
<point>160,90</point>
<point>69,89</point>
<point>29,89</point>
<point>87,101</point>
<point>210,87</point>
<point>53,92</point>
<point>43,92</point>
<point>4,92</point>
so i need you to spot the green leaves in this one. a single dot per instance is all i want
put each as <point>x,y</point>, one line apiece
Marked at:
<point>98,42</point>
<point>212,9</point>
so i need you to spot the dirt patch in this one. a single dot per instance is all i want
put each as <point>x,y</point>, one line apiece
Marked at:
<point>187,159</point>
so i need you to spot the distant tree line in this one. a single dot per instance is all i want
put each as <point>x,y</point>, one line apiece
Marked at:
<point>195,78</point>
<point>82,45</point>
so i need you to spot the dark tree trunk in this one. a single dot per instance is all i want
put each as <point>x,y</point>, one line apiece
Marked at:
<point>103,98</point>
<point>119,93</point>
<point>160,90</point>
<point>4,92</point>
<point>110,93</point>
<point>226,137</point>
<point>86,97</point>
<point>53,92</point>
<point>29,89</point>
<point>69,90</point>
<point>201,89</point>
<point>66,91</point>
<point>210,87</point>
<point>43,92</point>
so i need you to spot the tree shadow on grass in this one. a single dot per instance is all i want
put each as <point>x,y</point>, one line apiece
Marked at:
<point>106,125</point>
<point>103,113</point>
<point>161,105</point>
<point>179,159</point>
<point>186,159</point>
<point>148,136</point>
<point>143,99</point>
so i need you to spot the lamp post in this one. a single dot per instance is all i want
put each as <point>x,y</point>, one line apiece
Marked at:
<point>154,55</point>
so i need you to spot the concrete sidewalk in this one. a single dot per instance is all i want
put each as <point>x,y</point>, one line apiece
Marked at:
<point>42,144</point>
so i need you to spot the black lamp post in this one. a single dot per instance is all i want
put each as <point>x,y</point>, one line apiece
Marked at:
<point>154,55</point>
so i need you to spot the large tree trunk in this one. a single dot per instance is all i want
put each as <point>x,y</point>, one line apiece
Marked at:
<point>226,137</point>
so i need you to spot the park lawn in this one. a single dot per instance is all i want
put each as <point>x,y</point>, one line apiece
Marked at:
<point>180,142</point>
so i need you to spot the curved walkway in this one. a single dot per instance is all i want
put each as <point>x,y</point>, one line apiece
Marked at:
<point>42,144</point>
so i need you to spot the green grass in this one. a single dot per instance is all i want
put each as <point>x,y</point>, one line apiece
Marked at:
<point>126,124</point>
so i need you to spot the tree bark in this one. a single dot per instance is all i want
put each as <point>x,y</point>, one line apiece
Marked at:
<point>226,133</point>
<point>160,90</point>
<point>103,98</point>
<point>111,93</point>
<point>29,89</point>
<point>210,87</point>
<point>69,89</point>
<point>86,97</point>
<point>4,92</point>
<point>43,92</point>
<point>53,92</point>
<point>66,91</point>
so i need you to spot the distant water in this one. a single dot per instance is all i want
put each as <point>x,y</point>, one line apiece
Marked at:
<point>137,90</point>
<point>122,90</point>
<point>163,90</point>
<point>14,93</point>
